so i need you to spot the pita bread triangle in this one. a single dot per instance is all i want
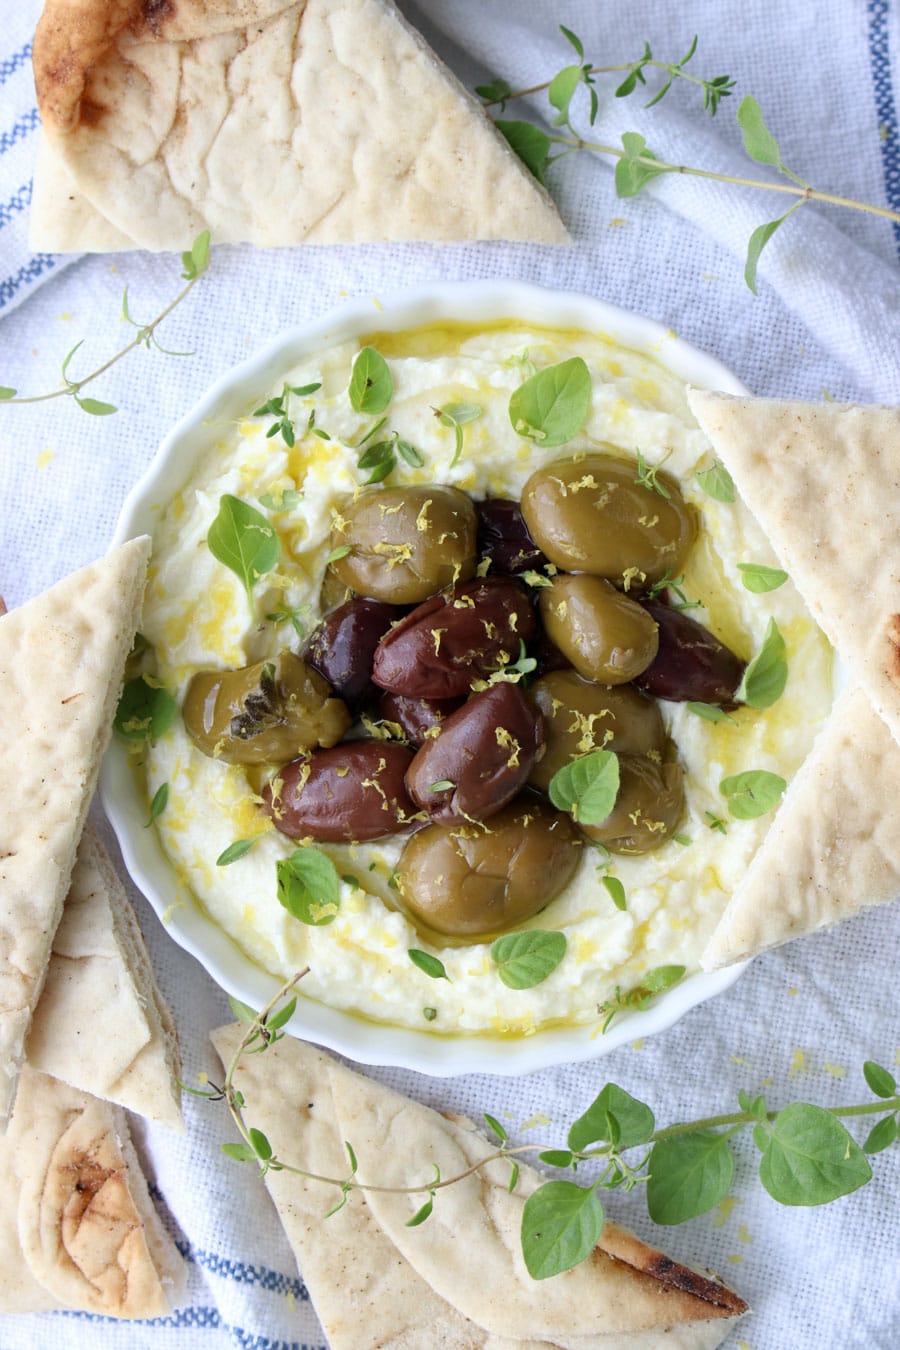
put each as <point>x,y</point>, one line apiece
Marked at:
<point>270,122</point>
<point>62,658</point>
<point>101,1023</point>
<point>77,1227</point>
<point>827,854</point>
<point>377,1283</point>
<point>823,480</point>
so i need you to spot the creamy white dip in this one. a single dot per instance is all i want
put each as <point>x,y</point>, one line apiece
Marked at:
<point>197,618</point>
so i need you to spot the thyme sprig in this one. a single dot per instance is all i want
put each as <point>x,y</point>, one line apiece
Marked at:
<point>685,1169</point>
<point>194,262</point>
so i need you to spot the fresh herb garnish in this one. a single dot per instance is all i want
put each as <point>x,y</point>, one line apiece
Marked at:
<point>760,579</point>
<point>684,1169</point>
<point>158,805</point>
<point>242,539</point>
<point>371,384</point>
<point>145,710</point>
<point>279,407</point>
<point>428,964</point>
<point>530,143</point>
<point>637,164</point>
<point>766,675</point>
<point>194,263</point>
<point>669,583</point>
<point>234,851</point>
<point>648,477</point>
<point>709,712</point>
<point>552,406</point>
<point>616,891</point>
<point>337,553</point>
<point>638,999</point>
<point>287,614</point>
<point>752,793</point>
<point>715,822</point>
<point>587,787</point>
<point>380,459</point>
<point>524,960</point>
<point>284,499</point>
<point>309,887</point>
<point>457,416</point>
<point>717,483</point>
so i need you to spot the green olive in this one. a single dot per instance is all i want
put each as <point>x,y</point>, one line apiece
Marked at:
<point>266,713</point>
<point>405,543</point>
<point>606,636</point>
<point>580,716</point>
<point>473,880</point>
<point>648,808</point>
<point>593,514</point>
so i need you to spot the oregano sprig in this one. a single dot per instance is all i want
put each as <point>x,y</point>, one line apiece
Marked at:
<point>807,1156</point>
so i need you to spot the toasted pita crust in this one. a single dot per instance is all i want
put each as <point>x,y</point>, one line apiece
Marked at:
<point>62,657</point>
<point>823,480</point>
<point>101,1023</point>
<point>374,1287</point>
<point>834,847</point>
<point>271,122</point>
<point>77,1228</point>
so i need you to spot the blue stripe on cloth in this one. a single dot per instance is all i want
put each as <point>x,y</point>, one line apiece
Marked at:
<point>27,123</point>
<point>885,106</point>
<point>208,1318</point>
<point>40,263</point>
<point>11,64</point>
<point>17,202</point>
<point>271,1280</point>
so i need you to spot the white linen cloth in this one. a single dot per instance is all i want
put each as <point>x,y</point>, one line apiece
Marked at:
<point>800,1021</point>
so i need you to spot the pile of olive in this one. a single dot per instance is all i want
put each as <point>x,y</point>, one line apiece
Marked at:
<point>453,747</point>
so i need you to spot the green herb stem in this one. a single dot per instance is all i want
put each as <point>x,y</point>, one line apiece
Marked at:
<point>600,70</point>
<point>141,338</point>
<point>881,1107</point>
<point>660,166</point>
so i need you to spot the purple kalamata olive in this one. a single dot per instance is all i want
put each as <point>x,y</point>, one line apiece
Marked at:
<point>504,538</point>
<point>473,880</point>
<point>418,718</point>
<point>691,665</point>
<point>480,759</point>
<point>455,638</point>
<point>352,792</point>
<point>342,646</point>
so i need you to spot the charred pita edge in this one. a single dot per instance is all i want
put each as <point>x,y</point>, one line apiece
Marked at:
<point>624,1246</point>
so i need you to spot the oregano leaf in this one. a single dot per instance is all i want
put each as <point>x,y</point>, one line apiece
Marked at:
<point>587,787</point>
<point>880,1080</point>
<point>689,1175</point>
<point>308,886</point>
<point>810,1158</point>
<point>530,143</point>
<point>561,1225</point>
<point>633,1118</point>
<point>524,960</point>
<point>759,142</point>
<point>242,539</point>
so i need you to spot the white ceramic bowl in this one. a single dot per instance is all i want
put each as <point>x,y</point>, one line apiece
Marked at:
<point>361,1040</point>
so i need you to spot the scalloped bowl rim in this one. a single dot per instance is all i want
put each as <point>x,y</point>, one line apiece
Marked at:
<point>362,1040</point>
